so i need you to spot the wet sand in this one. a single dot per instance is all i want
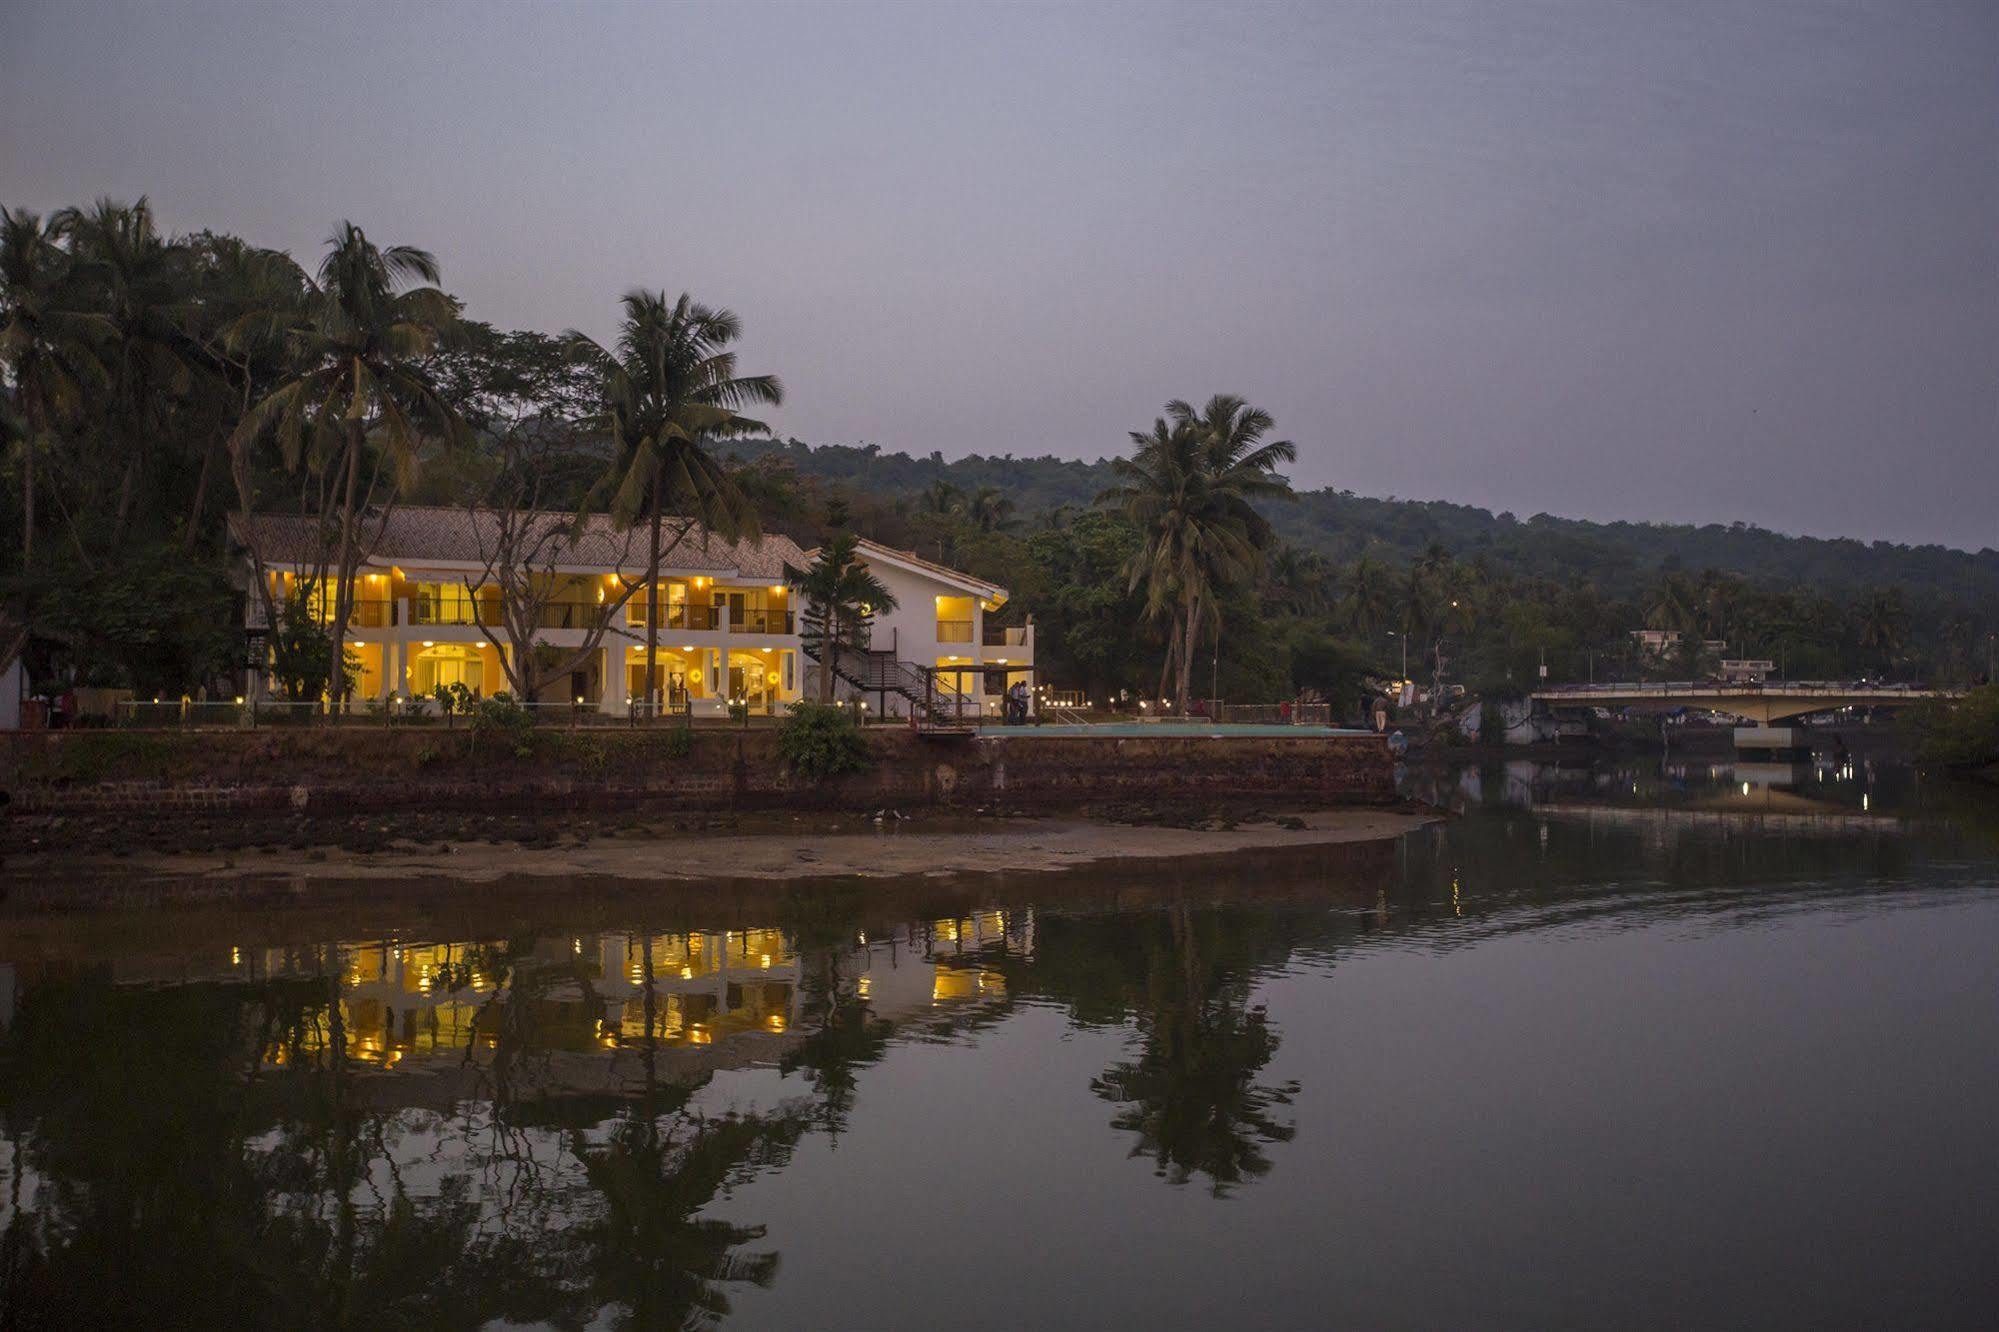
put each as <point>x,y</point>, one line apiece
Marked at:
<point>888,850</point>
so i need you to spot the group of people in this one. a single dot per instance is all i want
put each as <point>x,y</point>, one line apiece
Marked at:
<point>1015,713</point>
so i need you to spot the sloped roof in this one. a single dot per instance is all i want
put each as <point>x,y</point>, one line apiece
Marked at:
<point>416,534</point>
<point>943,573</point>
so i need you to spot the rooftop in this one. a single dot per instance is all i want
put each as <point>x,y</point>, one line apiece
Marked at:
<point>417,534</point>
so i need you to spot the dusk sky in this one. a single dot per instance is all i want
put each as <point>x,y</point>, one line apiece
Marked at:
<point>1609,259</point>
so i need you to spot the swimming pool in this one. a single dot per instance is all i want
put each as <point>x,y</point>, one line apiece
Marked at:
<point>1212,730</point>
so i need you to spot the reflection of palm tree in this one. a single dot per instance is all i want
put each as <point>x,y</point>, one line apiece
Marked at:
<point>843,1037</point>
<point>1182,978</point>
<point>648,1251</point>
<point>1191,1096</point>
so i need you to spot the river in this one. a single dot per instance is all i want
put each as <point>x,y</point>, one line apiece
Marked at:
<point>1638,1045</point>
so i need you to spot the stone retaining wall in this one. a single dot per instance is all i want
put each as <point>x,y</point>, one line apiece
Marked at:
<point>355,769</point>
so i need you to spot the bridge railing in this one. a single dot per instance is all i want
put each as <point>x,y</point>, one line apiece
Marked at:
<point>1725,688</point>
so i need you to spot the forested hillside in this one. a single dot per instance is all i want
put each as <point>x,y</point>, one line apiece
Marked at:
<point>1621,559</point>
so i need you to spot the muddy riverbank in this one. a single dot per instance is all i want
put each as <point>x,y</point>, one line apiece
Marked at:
<point>706,849</point>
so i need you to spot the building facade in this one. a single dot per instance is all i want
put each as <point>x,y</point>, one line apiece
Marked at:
<point>428,611</point>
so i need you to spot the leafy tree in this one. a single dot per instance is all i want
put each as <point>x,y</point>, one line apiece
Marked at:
<point>301,653</point>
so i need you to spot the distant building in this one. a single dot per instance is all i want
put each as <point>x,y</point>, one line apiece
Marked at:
<point>1661,643</point>
<point>1743,670</point>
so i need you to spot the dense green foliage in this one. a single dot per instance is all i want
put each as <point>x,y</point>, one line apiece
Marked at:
<point>817,742</point>
<point>149,384</point>
<point>1493,597</point>
<point>1963,733</point>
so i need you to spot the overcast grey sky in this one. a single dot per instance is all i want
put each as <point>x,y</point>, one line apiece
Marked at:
<point>1607,258</point>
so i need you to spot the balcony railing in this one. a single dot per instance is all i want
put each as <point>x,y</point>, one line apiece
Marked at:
<point>453,612</point>
<point>570,614</point>
<point>954,631</point>
<point>360,615</point>
<point>675,615</point>
<point>764,622</point>
<point>1005,635</point>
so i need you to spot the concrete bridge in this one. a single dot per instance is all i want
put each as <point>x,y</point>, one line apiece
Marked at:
<point>1763,703</point>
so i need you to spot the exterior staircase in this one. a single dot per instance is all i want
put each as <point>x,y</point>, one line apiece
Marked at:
<point>934,706</point>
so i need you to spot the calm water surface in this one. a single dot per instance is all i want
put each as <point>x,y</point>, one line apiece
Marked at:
<point>1631,1046</point>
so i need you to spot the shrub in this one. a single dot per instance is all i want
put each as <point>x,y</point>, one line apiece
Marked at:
<point>504,721</point>
<point>819,742</point>
<point>453,698</point>
<point>1959,733</point>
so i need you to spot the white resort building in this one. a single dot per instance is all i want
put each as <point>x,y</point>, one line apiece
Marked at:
<point>428,611</point>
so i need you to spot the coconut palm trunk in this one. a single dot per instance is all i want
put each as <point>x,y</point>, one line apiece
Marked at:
<point>1190,636</point>
<point>28,501</point>
<point>652,699</point>
<point>343,569</point>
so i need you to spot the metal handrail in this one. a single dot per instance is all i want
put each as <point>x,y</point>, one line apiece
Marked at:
<point>677,615</point>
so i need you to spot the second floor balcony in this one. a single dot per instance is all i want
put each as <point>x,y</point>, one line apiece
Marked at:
<point>372,614</point>
<point>424,610</point>
<point>675,615</point>
<point>757,621</point>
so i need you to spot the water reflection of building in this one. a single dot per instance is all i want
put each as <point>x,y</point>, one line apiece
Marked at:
<point>404,1001</point>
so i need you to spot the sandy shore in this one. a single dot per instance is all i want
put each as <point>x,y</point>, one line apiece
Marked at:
<point>890,851</point>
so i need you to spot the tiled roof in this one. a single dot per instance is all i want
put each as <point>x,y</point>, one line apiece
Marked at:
<point>416,534</point>
<point>957,577</point>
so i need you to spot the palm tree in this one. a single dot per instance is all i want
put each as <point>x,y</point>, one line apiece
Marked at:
<point>990,510</point>
<point>1370,599</point>
<point>942,498</point>
<point>1189,489</point>
<point>138,279</point>
<point>47,344</point>
<point>357,391</point>
<point>671,389</point>
<point>249,299</point>
<point>1241,467</point>
<point>1160,493</point>
<point>1299,581</point>
<point>1882,622</point>
<point>841,600</point>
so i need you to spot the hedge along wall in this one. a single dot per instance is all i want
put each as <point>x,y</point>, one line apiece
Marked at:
<point>335,770</point>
